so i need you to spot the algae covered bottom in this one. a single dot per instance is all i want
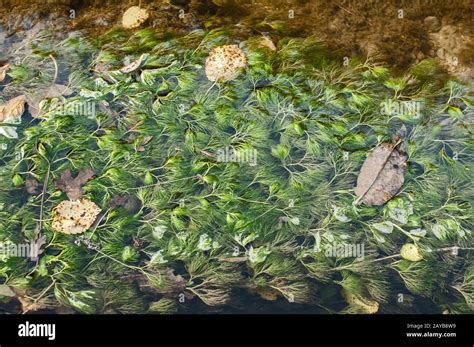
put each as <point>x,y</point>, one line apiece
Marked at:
<point>210,195</point>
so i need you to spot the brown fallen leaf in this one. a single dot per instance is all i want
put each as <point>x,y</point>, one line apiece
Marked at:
<point>32,186</point>
<point>74,217</point>
<point>13,109</point>
<point>3,71</point>
<point>28,304</point>
<point>73,186</point>
<point>381,175</point>
<point>53,91</point>
<point>128,201</point>
<point>266,293</point>
<point>6,291</point>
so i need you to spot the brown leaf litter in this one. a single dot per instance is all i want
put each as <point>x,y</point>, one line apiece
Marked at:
<point>73,186</point>
<point>13,109</point>
<point>381,175</point>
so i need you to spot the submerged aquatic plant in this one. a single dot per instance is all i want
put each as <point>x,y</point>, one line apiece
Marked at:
<point>179,224</point>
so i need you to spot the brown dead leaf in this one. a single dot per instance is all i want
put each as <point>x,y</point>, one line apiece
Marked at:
<point>128,201</point>
<point>6,291</point>
<point>381,175</point>
<point>3,71</point>
<point>148,283</point>
<point>13,109</point>
<point>28,304</point>
<point>234,259</point>
<point>73,186</point>
<point>54,91</point>
<point>74,217</point>
<point>32,186</point>
<point>266,293</point>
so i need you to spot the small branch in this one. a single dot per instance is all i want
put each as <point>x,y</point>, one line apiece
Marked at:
<point>39,223</point>
<point>56,69</point>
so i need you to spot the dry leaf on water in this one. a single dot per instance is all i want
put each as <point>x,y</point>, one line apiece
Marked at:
<point>73,186</point>
<point>234,259</point>
<point>74,217</point>
<point>381,175</point>
<point>410,252</point>
<point>13,109</point>
<point>3,71</point>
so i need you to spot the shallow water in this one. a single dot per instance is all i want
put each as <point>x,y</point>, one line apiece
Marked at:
<point>316,127</point>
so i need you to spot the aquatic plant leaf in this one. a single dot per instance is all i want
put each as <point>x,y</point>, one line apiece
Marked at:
<point>399,210</point>
<point>360,304</point>
<point>73,186</point>
<point>383,227</point>
<point>258,255</point>
<point>9,132</point>
<point>381,175</point>
<point>13,109</point>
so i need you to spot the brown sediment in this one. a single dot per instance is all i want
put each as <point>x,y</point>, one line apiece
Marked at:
<point>397,33</point>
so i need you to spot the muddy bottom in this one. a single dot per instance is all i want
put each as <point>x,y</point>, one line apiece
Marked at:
<point>395,33</point>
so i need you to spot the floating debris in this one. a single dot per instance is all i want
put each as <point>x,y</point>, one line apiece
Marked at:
<point>13,109</point>
<point>225,62</point>
<point>74,217</point>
